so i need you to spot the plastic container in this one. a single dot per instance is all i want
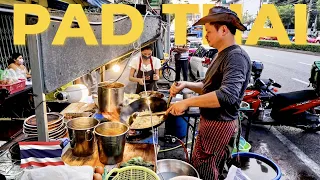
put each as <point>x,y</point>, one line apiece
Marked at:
<point>244,146</point>
<point>16,87</point>
<point>266,162</point>
<point>132,172</point>
<point>176,126</point>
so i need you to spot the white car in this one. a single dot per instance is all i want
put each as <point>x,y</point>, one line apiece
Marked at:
<point>193,37</point>
<point>199,62</point>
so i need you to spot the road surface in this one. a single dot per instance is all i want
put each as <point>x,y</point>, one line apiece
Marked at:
<point>294,150</point>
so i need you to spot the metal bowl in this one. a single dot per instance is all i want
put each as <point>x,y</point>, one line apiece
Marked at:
<point>169,168</point>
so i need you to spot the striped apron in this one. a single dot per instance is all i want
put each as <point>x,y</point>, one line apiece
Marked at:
<point>214,145</point>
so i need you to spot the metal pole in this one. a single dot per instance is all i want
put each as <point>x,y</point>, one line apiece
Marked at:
<point>309,10</point>
<point>37,85</point>
<point>167,36</point>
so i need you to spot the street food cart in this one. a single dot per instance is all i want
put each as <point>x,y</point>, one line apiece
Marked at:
<point>55,66</point>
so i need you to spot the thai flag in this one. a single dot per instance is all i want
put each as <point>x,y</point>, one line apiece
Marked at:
<point>40,154</point>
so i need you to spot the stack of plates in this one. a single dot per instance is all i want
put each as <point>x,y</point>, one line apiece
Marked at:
<point>56,127</point>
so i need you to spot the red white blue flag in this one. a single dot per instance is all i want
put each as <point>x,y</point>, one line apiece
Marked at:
<point>40,154</point>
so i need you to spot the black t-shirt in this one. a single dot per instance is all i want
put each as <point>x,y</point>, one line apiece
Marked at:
<point>228,76</point>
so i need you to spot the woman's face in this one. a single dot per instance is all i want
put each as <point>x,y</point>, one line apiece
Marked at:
<point>19,60</point>
<point>146,54</point>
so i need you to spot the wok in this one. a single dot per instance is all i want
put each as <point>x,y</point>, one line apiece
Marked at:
<point>151,94</point>
<point>156,105</point>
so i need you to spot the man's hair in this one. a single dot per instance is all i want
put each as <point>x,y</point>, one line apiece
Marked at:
<point>149,47</point>
<point>231,27</point>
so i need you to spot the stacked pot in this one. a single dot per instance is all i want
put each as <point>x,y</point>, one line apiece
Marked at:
<point>109,137</point>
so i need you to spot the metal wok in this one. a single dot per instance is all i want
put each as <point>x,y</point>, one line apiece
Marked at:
<point>151,94</point>
<point>156,105</point>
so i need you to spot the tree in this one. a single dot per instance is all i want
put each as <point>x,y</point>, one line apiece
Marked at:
<point>286,14</point>
<point>248,18</point>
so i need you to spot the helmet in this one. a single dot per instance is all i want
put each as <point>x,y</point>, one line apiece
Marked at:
<point>256,68</point>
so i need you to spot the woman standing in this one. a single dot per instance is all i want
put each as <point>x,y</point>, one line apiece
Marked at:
<point>147,68</point>
<point>16,63</point>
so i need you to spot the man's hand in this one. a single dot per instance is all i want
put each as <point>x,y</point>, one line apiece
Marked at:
<point>155,77</point>
<point>177,108</point>
<point>140,81</point>
<point>175,89</point>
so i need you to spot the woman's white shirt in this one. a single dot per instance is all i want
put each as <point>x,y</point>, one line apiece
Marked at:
<point>134,63</point>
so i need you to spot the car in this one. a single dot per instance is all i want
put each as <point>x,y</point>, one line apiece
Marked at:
<point>269,38</point>
<point>310,39</point>
<point>193,46</point>
<point>200,60</point>
<point>193,37</point>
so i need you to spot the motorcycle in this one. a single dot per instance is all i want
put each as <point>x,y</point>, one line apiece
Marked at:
<point>295,109</point>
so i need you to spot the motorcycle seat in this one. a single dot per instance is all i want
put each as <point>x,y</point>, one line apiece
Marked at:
<point>283,100</point>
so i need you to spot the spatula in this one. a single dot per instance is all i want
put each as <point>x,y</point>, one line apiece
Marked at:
<point>170,97</point>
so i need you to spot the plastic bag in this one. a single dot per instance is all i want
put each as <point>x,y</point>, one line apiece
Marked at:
<point>236,174</point>
<point>9,76</point>
<point>59,172</point>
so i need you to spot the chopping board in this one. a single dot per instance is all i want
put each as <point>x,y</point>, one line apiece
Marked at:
<point>146,151</point>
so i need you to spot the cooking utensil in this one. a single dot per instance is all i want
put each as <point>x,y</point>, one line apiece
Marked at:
<point>81,135</point>
<point>110,96</point>
<point>111,138</point>
<point>138,114</point>
<point>169,168</point>
<point>156,105</point>
<point>170,97</point>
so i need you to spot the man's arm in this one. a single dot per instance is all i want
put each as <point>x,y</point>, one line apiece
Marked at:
<point>182,50</point>
<point>195,86</point>
<point>228,94</point>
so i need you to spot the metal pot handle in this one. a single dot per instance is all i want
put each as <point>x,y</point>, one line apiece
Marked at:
<point>73,141</point>
<point>86,135</point>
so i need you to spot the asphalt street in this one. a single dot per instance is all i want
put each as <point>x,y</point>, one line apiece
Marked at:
<point>294,150</point>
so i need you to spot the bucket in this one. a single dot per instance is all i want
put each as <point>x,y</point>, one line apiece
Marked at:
<point>15,148</point>
<point>256,166</point>
<point>176,126</point>
<point>110,96</point>
<point>111,139</point>
<point>244,146</point>
<point>81,135</point>
<point>170,168</point>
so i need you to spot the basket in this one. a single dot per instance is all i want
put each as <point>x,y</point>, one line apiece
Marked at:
<point>16,87</point>
<point>244,146</point>
<point>132,172</point>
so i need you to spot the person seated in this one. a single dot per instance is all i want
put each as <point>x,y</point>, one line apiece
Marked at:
<point>16,63</point>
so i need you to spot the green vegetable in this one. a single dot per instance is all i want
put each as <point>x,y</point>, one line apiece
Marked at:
<point>137,161</point>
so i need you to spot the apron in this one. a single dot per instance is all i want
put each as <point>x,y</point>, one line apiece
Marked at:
<point>214,145</point>
<point>150,84</point>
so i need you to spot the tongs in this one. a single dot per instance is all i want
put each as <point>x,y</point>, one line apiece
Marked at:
<point>137,114</point>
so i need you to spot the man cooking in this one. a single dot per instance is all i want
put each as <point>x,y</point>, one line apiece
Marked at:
<point>220,92</point>
<point>147,68</point>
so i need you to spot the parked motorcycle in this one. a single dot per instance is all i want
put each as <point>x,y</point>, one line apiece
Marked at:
<point>295,109</point>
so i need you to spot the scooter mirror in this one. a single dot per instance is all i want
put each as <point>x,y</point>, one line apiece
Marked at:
<point>276,85</point>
